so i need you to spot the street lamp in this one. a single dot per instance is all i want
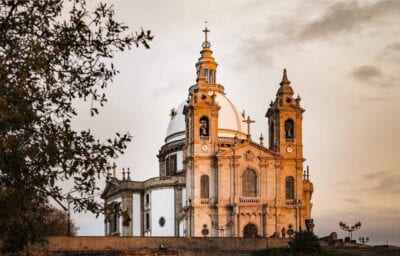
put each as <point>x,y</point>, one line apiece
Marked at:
<point>69,215</point>
<point>350,229</point>
<point>363,240</point>
<point>67,209</point>
<point>299,205</point>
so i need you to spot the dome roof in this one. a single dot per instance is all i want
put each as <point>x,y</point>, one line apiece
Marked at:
<point>229,121</point>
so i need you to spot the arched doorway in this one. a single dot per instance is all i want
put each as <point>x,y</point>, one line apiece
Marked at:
<point>250,230</point>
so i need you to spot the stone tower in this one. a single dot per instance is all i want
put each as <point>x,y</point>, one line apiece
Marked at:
<point>285,116</point>
<point>202,142</point>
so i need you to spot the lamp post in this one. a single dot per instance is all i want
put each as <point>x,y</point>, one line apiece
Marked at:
<point>350,229</point>
<point>69,215</point>
<point>299,205</point>
<point>363,240</point>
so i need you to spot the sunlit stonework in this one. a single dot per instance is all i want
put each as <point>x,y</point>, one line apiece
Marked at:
<point>214,178</point>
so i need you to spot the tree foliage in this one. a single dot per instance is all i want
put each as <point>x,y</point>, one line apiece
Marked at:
<point>53,53</point>
<point>57,223</point>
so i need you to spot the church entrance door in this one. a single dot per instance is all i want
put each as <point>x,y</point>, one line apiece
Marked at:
<point>250,230</point>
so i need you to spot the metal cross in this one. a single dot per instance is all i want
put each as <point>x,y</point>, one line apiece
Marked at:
<point>248,121</point>
<point>206,30</point>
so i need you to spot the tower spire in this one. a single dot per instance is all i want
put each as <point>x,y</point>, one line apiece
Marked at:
<point>285,79</point>
<point>206,66</point>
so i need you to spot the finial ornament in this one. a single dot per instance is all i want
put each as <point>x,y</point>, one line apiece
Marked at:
<point>206,44</point>
<point>285,79</point>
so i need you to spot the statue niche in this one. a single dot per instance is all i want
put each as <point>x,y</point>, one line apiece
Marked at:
<point>204,127</point>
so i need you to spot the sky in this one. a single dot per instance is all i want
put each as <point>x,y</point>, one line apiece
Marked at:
<point>343,59</point>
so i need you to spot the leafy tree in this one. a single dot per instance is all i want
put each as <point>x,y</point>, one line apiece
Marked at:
<point>57,223</point>
<point>53,54</point>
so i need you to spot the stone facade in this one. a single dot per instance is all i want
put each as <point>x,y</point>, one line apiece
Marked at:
<point>225,183</point>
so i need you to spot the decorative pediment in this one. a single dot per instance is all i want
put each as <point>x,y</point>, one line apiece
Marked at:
<point>249,150</point>
<point>111,188</point>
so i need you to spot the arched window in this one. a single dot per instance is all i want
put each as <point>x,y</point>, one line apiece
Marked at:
<point>204,187</point>
<point>249,183</point>
<point>204,127</point>
<point>289,129</point>
<point>289,187</point>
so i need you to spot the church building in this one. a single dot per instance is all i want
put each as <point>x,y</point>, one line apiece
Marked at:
<point>214,179</point>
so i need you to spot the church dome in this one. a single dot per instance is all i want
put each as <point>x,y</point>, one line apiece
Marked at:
<point>229,121</point>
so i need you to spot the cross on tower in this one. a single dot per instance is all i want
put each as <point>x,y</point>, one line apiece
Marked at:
<point>248,121</point>
<point>206,30</point>
<point>206,44</point>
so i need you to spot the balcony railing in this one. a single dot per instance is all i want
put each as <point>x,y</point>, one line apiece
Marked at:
<point>290,202</point>
<point>202,137</point>
<point>289,140</point>
<point>204,201</point>
<point>249,200</point>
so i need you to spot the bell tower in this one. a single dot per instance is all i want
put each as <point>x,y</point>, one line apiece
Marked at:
<point>285,117</point>
<point>201,117</point>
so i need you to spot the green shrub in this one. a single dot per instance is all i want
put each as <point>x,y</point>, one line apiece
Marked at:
<point>306,242</point>
<point>289,252</point>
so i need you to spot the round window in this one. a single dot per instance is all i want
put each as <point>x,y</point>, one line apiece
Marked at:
<point>161,221</point>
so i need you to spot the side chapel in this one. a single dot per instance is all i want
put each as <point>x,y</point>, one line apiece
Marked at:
<point>214,179</point>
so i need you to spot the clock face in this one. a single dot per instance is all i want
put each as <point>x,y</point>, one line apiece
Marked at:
<point>204,147</point>
<point>289,149</point>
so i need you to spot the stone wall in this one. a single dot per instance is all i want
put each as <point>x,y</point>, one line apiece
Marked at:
<point>135,246</point>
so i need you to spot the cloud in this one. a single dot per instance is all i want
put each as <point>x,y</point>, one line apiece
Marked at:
<point>391,53</point>
<point>383,182</point>
<point>338,19</point>
<point>354,201</point>
<point>372,184</point>
<point>367,73</point>
<point>372,76</point>
<point>346,17</point>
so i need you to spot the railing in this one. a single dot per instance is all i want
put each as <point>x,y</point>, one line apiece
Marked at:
<point>290,202</point>
<point>249,200</point>
<point>204,201</point>
<point>204,137</point>
<point>227,140</point>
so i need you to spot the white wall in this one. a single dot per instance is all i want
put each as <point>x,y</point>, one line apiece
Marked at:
<point>182,228</point>
<point>184,197</point>
<point>162,205</point>
<point>136,221</point>
<point>179,161</point>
